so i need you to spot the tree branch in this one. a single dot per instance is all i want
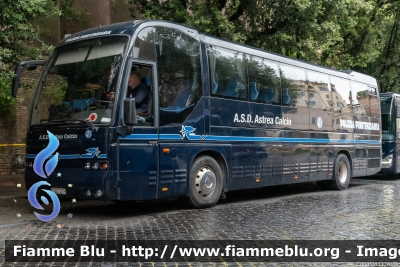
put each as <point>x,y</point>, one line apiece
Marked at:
<point>238,13</point>
<point>221,4</point>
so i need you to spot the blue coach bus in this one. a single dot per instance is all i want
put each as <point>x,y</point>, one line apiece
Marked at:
<point>390,109</point>
<point>221,116</point>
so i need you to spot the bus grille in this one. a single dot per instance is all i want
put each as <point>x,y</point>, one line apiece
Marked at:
<point>374,163</point>
<point>374,153</point>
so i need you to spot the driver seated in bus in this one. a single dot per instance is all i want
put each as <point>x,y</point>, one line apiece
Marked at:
<point>139,91</point>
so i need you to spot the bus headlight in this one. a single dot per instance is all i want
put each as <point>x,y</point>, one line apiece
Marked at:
<point>387,161</point>
<point>104,166</point>
<point>87,165</point>
<point>98,193</point>
<point>95,165</point>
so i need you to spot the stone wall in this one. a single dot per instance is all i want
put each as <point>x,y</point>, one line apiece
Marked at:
<point>13,126</point>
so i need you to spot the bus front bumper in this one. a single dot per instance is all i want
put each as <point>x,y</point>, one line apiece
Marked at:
<point>73,182</point>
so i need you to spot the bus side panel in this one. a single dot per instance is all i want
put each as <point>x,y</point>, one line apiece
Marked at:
<point>359,161</point>
<point>295,158</point>
<point>266,155</point>
<point>138,164</point>
<point>256,160</point>
<point>174,141</point>
<point>173,171</point>
<point>296,155</point>
<point>322,157</point>
<point>255,164</point>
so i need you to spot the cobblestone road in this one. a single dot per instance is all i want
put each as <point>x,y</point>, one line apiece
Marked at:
<point>369,209</point>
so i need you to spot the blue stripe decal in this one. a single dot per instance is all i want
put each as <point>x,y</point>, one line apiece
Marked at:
<point>194,137</point>
<point>171,136</point>
<point>250,139</point>
<point>220,138</point>
<point>286,139</point>
<point>141,136</point>
<point>32,156</point>
<point>86,156</point>
<point>240,138</point>
<point>72,156</point>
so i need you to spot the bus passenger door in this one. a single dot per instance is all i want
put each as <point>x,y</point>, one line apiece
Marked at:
<point>138,150</point>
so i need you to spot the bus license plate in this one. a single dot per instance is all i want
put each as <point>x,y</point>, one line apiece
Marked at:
<point>59,191</point>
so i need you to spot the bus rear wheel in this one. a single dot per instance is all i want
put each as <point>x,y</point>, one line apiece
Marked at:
<point>205,183</point>
<point>341,173</point>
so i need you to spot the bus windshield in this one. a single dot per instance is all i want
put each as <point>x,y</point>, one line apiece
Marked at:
<point>79,82</point>
<point>388,120</point>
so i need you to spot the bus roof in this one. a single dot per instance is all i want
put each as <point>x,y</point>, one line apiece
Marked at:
<point>353,75</point>
<point>127,28</point>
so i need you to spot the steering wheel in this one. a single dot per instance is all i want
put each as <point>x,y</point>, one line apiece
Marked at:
<point>98,103</point>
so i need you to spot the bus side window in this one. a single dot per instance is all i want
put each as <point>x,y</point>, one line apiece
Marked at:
<point>144,46</point>
<point>341,96</point>
<point>360,99</point>
<point>228,73</point>
<point>263,81</point>
<point>318,90</point>
<point>178,63</point>
<point>294,86</point>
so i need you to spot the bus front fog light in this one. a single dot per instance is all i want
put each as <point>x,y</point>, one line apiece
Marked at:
<point>104,166</point>
<point>95,166</point>
<point>87,193</point>
<point>98,193</point>
<point>87,165</point>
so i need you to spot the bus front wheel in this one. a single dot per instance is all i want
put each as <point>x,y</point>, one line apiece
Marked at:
<point>205,183</point>
<point>341,173</point>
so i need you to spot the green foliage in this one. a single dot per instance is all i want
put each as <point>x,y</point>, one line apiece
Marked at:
<point>6,100</point>
<point>19,36</point>
<point>57,90</point>
<point>19,40</point>
<point>71,17</point>
<point>345,34</point>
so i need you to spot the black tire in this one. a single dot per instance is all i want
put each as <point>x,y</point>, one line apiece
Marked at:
<point>205,183</point>
<point>341,173</point>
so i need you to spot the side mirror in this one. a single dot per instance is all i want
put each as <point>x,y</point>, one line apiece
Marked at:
<point>17,79</point>
<point>130,112</point>
<point>397,111</point>
<point>30,65</point>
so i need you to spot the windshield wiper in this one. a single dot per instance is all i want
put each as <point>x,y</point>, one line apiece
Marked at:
<point>76,120</point>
